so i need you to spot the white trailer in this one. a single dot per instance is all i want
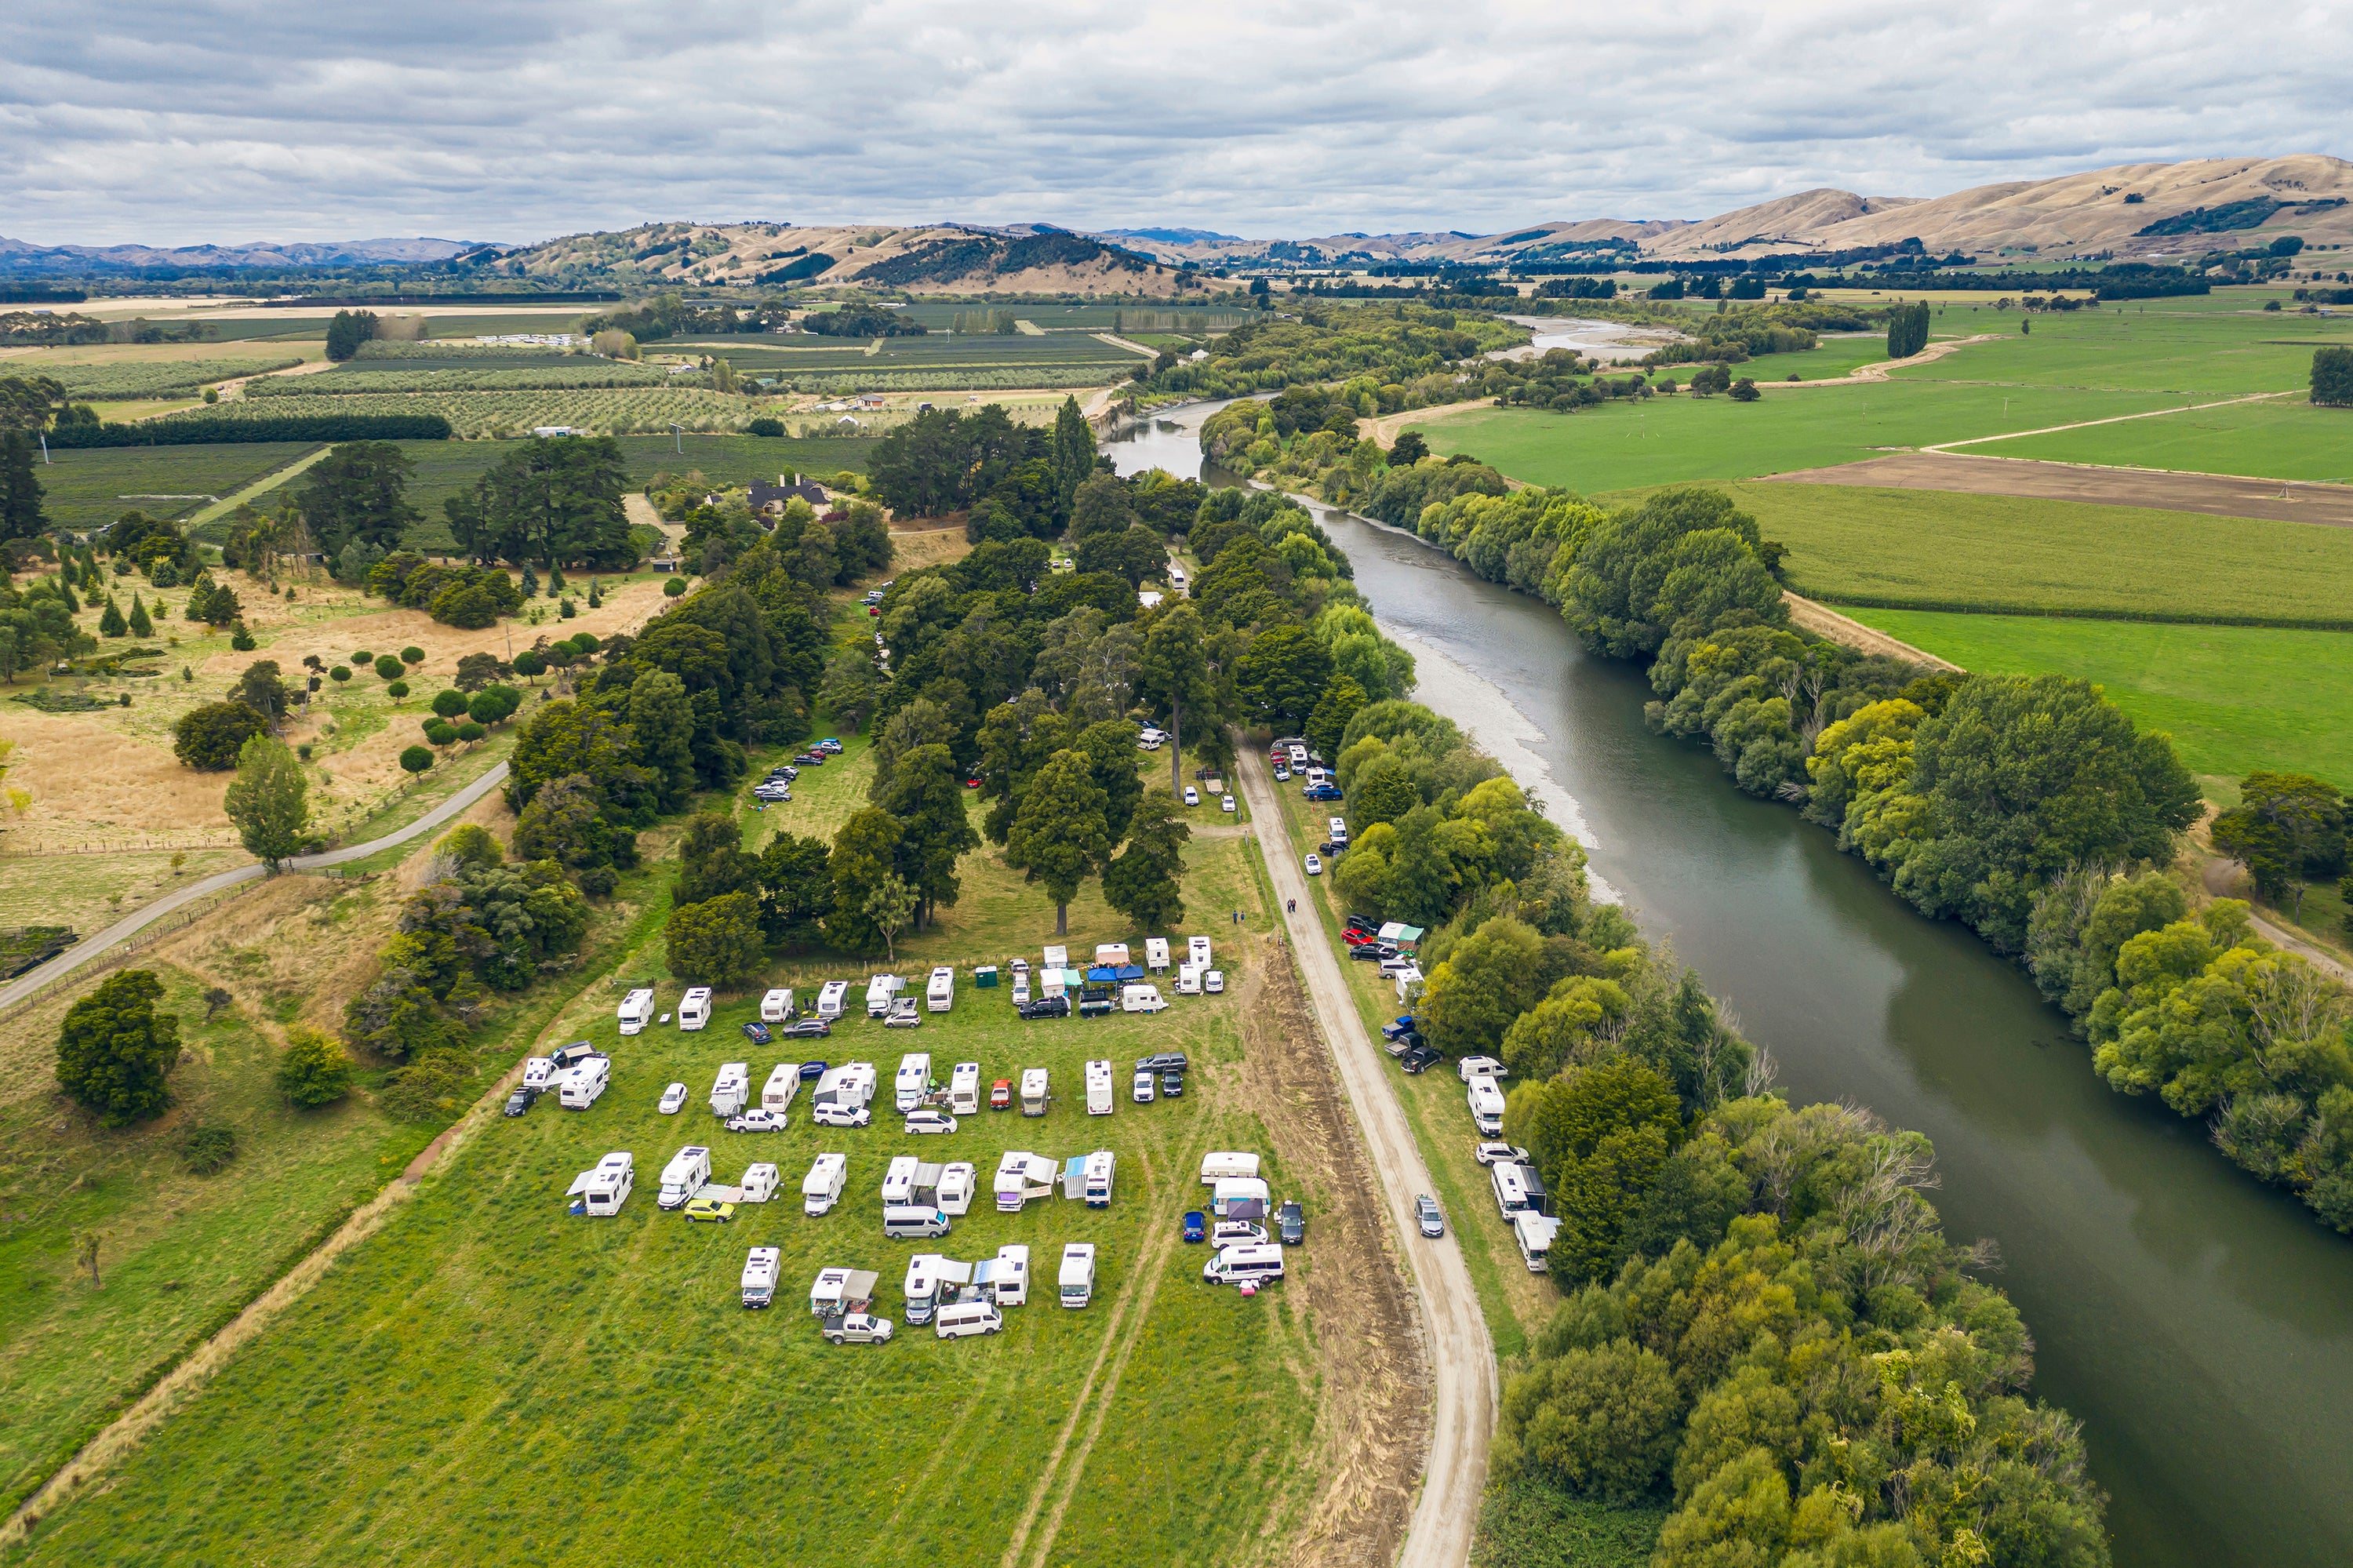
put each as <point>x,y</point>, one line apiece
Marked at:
<point>939,991</point>
<point>1100,1099</point>
<point>1140,999</point>
<point>880,992</point>
<point>849,1085</point>
<point>1218,1165</point>
<point>1197,951</point>
<point>841,1291</point>
<point>539,1074</point>
<point>584,1082</point>
<point>1099,1169</point>
<point>760,1270</point>
<point>1231,1189</point>
<point>688,1173</point>
<point>963,1090</point>
<point>600,1192</point>
<point>899,1181</point>
<point>732,1089</point>
<point>821,1188</point>
<point>784,1082</point>
<point>1111,955</point>
<point>694,1007</point>
<point>1056,958</point>
<point>832,997</point>
<point>1535,1234</point>
<point>1077,1282</point>
<point>1487,1107</point>
<point>913,1082</point>
<point>776,1007</point>
<point>1189,978</point>
<point>956,1182</point>
<point>1020,1177</point>
<point>637,1011</point>
<point>760,1184</point>
<point>1472,1067</point>
<point>1033,1091</point>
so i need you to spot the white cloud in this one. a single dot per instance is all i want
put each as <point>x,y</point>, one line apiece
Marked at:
<point>215,121</point>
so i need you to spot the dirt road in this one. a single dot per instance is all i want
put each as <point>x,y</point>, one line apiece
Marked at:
<point>1463,1357</point>
<point>1878,368</point>
<point>1823,621</point>
<point>1979,474</point>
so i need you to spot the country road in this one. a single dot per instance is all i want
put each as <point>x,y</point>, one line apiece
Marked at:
<point>1462,1356</point>
<point>81,953</point>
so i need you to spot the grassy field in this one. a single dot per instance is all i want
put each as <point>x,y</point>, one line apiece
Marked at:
<point>2124,348</point>
<point>89,487</point>
<point>2281,438</point>
<point>1936,550</point>
<point>443,469</point>
<point>2234,699</point>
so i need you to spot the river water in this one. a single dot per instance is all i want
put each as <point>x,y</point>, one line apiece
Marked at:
<point>2200,1325</point>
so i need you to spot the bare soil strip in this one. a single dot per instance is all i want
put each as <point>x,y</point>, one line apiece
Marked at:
<point>1974,473</point>
<point>2111,419</point>
<point>1823,621</point>
<point>1877,370</point>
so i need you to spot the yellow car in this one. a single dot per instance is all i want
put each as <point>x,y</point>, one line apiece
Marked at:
<point>710,1209</point>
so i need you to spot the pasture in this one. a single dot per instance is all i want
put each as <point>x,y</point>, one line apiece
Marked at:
<point>2286,438</point>
<point>87,487</point>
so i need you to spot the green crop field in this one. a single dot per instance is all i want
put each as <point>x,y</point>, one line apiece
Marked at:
<point>548,371</point>
<point>87,487</point>
<point>1938,550</point>
<point>2234,699</point>
<point>473,414</point>
<point>2120,348</point>
<point>2281,438</point>
<point>127,380</point>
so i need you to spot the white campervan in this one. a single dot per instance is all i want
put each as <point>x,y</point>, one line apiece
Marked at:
<point>1008,1281</point>
<point>1033,1091</point>
<point>760,1184</point>
<point>880,992</point>
<point>821,1188</point>
<point>777,1094</point>
<point>776,1007</point>
<point>963,1318</point>
<point>694,1007</point>
<point>601,1191</point>
<point>1259,1264</point>
<point>1021,1176</point>
<point>584,1082</point>
<point>687,1174</point>
<point>913,1082</point>
<point>831,999</point>
<point>1099,1101</point>
<point>963,1090</point>
<point>899,1181</point>
<point>1535,1234</point>
<point>954,1191</point>
<point>1487,1107</point>
<point>637,1010</point>
<point>1219,1164</point>
<point>939,991</point>
<point>1078,1278</point>
<point>760,1270</point>
<point>1100,1165</point>
<point>731,1089</point>
<point>1197,951</point>
<point>1510,1181</point>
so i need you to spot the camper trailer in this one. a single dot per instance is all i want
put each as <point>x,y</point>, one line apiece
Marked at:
<point>1221,1164</point>
<point>777,1094</point>
<point>1097,1189</point>
<point>953,1190</point>
<point>637,1010</point>
<point>687,1174</point>
<point>1100,1099</point>
<point>1230,1189</point>
<point>584,1082</point>
<point>913,1082</point>
<point>1020,1177</point>
<point>759,1184</point>
<point>899,1181</point>
<point>1078,1278</point>
<point>840,1290</point>
<point>821,1188</point>
<point>732,1089</point>
<point>694,1009</point>
<point>600,1192</point>
<point>939,991</point>
<point>1156,954</point>
<point>1033,1091</point>
<point>760,1270</point>
<point>963,1090</point>
<point>776,1007</point>
<point>1140,999</point>
<point>1188,979</point>
<point>1056,958</point>
<point>831,999</point>
<point>1111,955</point>
<point>1197,951</point>
<point>1535,1234</point>
<point>880,992</point>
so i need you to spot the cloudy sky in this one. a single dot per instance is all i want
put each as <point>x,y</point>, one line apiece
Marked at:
<point>219,120</point>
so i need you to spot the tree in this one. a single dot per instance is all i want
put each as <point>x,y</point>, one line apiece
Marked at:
<point>415,759</point>
<point>796,886</point>
<point>359,493</point>
<point>1134,553</point>
<point>1409,450</point>
<point>1599,1136</point>
<point>557,501</point>
<point>1173,676</point>
<point>142,625</point>
<point>661,716</point>
<point>851,689</point>
<point>1283,676</point>
<point>109,619</point>
<point>1492,975</point>
<point>1333,709</point>
<point>864,851</point>
<point>717,942</point>
<point>21,513</point>
<point>926,796</point>
<point>1143,882</point>
<point>1602,1423</point>
<point>313,1070</point>
<point>1074,451</point>
<point>209,738</point>
<point>1058,834</point>
<point>2332,377</point>
<point>269,800</point>
<point>2288,830</point>
<point>888,904</point>
<point>347,331</point>
<point>115,1048</point>
<point>1907,330</point>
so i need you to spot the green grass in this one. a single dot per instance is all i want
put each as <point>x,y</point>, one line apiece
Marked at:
<point>2234,699</point>
<point>1934,549</point>
<point>2283,439</point>
<point>2193,356</point>
<point>88,487</point>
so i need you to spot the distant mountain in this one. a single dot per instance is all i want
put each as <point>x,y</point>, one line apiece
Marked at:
<point>17,256</point>
<point>1171,235</point>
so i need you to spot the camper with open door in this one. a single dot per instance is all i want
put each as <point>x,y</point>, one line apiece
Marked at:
<point>731,1089</point>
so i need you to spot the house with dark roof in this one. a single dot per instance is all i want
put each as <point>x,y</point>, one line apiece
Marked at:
<point>770,500</point>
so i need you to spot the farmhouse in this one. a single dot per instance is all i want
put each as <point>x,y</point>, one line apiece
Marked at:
<point>770,499</point>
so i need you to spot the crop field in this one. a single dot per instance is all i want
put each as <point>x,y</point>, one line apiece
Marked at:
<point>89,486</point>
<point>125,380</point>
<point>2287,437</point>
<point>266,328</point>
<point>1942,550</point>
<point>2120,349</point>
<point>2234,699</point>
<point>931,352</point>
<point>519,373</point>
<point>475,414</point>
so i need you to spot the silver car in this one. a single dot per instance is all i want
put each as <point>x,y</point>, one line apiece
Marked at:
<point>1427,1215</point>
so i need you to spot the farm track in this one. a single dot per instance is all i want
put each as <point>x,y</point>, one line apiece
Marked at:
<point>1824,621</point>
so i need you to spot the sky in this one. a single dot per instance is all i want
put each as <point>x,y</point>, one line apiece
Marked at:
<point>212,120</point>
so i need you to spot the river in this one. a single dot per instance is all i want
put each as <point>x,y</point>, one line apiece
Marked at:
<point>2199,1324</point>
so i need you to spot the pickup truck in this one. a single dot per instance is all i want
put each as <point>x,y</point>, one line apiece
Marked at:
<point>855,1329</point>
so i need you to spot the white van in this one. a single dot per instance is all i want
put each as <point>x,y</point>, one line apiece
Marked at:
<point>777,1094</point>
<point>1100,1167</point>
<point>1033,1091</point>
<point>637,1011</point>
<point>821,1188</point>
<point>1487,1107</point>
<point>776,1007</point>
<point>1077,1276</point>
<point>760,1271</point>
<point>584,1082</point>
<point>687,1174</point>
<point>954,1191</point>
<point>1098,1088</point>
<point>1156,954</point>
<point>880,992</point>
<point>1472,1067</point>
<point>732,1089</point>
<point>1259,1264</point>
<point>939,991</point>
<point>899,1181</point>
<point>963,1090</point>
<point>694,1007</point>
<point>1219,1164</point>
<point>1140,999</point>
<point>914,1223</point>
<point>967,1318</point>
<point>1231,1189</point>
<point>760,1184</point>
<point>1197,951</point>
<point>600,1192</point>
<point>1006,1277</point>
<point>913,1082</point>
<point>831,999</point>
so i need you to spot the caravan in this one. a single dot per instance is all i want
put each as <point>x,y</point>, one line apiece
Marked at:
<point>687,1174</point>
<point>821,1188</point>
<point>939,991</point>
<point>760,1184</point>
<point>1099,1100</point>
<point>1156,954</point>
<point>1099,1169</point>
<point>963,1090</point>
<point>731,1089</point>
<point>601,1191</point>
<point>1220,1164</point>
<point>899,1181</point>
<point>1033,1091</point>
<point>1229,1191</point>
<point>832,999</point>
<point>777,1096</point>
<point>1197,951</point>
<point>913,1082</point>
<point>694,1009</point>
<point>584,1082</point>
<point>637,1010</point>
<point>880,992</point>
<point>953,1192</point>
<point>1140,999</point>
<point>776,1007</point>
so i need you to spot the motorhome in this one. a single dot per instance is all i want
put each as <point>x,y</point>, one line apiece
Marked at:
<point>1099,1169</point>
<point>914,1223</point>
<point>1509,1179</point>
<point>1005,1278</point>
<point>913,1082</point>
<point>688,1173</point>
<point>1472,1067</point>
<point>1257,1264</point>
<point>777,1094</point>
<point>1099,1101</point>
<point>760,1184</point>
<point>1140,999</point>
<point>1020,1177</point>
<point>538,1073</point>
<point>821,1188</point>
<point>840,1290</point>
<point>1033,1091</point>
<point>1156,954</point>
<point>637,1011</point>
<point>600,1192</point>
<point>1487,1099</point>
<point>963,1318</point>
<point>1227,1190</point>
<point>694,1009</point>
<point>899,1181</point>
<point>832,997</point>
<point>776,1007</point>
<point>732,1088</point>
<point>880,992</point>
<point>1220,1164</point>
<point>1197,951</point>
<point>939,991</point>
<point>1535,1234</point>
<point>955,1188</point>
<point>584,1082</point>
<point>963,1090</point>
<point>760,1271</point>
<point>929,1276</point>
<point>1077,1276</point>
<point>842,1092</point>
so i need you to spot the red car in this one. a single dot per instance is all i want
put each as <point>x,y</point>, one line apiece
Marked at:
<point>1357,938</point>
<point>973,782</point>
<point>1001,1095</point>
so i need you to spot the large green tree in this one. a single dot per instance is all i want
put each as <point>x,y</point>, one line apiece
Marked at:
<point>115,1048</point>
<point>359,491</point>
<point>1283,676</point>
<point>210,738</point>
<point>21,513</point>
<point>865,851</point>
<point>1059,836</point>
<point>1143,882</point>
<point>1174,676</point>
<point>2287,830</point>
<point>555,501</point>
<point>270,800</point>
<point>926,796</point>
<point>717,942</point>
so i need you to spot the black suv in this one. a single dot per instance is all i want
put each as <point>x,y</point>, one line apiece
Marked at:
<point>1047,1007</point>
<point>1420,1059</point>
<point>1290,1223</point>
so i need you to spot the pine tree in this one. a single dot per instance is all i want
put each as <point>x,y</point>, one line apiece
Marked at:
<point>595,595</point>
<point>66,593</point>
<point>141,625</point>
<point>530,582</point>
<point>21,516</point>
<point>109,619</point>
<point>555,579</point>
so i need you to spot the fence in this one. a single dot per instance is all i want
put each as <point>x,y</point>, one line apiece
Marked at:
<point>16,840</point>
<point>131,947</point>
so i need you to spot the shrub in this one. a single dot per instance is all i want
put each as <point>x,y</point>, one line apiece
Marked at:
<point>566,609</point>
<point>389,667</point>
<point>440,731</point>
<point>362,656</point>
<point>396,690</point>
<point>114,1048</point>
<point>241,639</point>
<point>208,1150</point>
<point>313,1070</point>
<point>415,759</point>
<point>208,738</point>
<point>765,427</point>
<point>470,732</point>
<point>339,674</point>
<point>675,587</point>
<point>412,655</point>
<point>450,704</point>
